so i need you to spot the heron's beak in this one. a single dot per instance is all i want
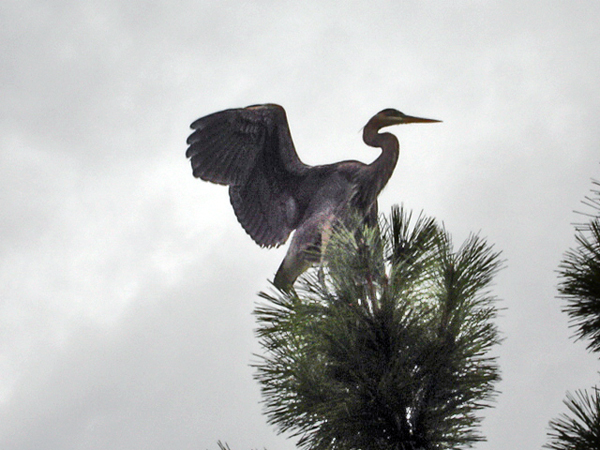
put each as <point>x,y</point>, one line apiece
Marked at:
<point>411,119</point>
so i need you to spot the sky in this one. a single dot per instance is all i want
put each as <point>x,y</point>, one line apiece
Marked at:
<point>127,286</point>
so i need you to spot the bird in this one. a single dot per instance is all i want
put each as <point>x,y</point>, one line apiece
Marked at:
<point>274,193</point>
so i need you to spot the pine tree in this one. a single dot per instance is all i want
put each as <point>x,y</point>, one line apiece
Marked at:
<point>582,430</point>
<point>580,287</point>
<point>386,346</point>
<point>580,274</point>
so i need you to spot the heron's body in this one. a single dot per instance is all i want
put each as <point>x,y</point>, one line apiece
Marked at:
<point>273,193</point>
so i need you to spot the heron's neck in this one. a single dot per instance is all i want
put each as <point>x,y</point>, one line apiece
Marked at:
<point>383,167</point>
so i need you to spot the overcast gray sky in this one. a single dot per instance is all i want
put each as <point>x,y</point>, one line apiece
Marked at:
<point>127,286</point>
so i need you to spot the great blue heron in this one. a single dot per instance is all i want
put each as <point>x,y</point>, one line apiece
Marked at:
<point>273,193</point>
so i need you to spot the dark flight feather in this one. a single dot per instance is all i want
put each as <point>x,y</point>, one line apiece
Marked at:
<point>251,150</point>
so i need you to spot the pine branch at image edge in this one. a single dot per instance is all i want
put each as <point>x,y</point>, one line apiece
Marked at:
<point>581,430</point>
<point>579,272</point>
<point>580,284</point>
<point>386,345</point>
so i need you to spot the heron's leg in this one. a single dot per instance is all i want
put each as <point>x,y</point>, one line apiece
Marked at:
<point>292,266</point>
<point>307,247</point>
<point>326,232</point>
<point>325,236</point>
<point>297,258</point>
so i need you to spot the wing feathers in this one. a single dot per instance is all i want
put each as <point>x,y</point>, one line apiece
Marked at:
<point>220,151</point>
<point>251,150</point>
<point>262,210</point>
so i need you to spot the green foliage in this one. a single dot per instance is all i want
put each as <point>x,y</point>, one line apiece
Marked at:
<point>582,431</point>
<point>386,346</point>
<point>580,273</point>
<point>580,286</point>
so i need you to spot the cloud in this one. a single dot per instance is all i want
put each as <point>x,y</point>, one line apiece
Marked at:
<point>127,285</point>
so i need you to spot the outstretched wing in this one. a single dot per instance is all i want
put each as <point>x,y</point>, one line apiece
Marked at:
<point>251,150</point>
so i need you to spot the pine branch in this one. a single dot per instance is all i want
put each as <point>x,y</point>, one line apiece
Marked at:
<point>386,348</point>
<point>580,285</point>
<point>582,431</point>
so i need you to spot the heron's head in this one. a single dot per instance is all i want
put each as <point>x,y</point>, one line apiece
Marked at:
<point>390,116</point>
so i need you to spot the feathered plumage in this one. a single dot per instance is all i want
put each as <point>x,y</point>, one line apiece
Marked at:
<point>273,193</point>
